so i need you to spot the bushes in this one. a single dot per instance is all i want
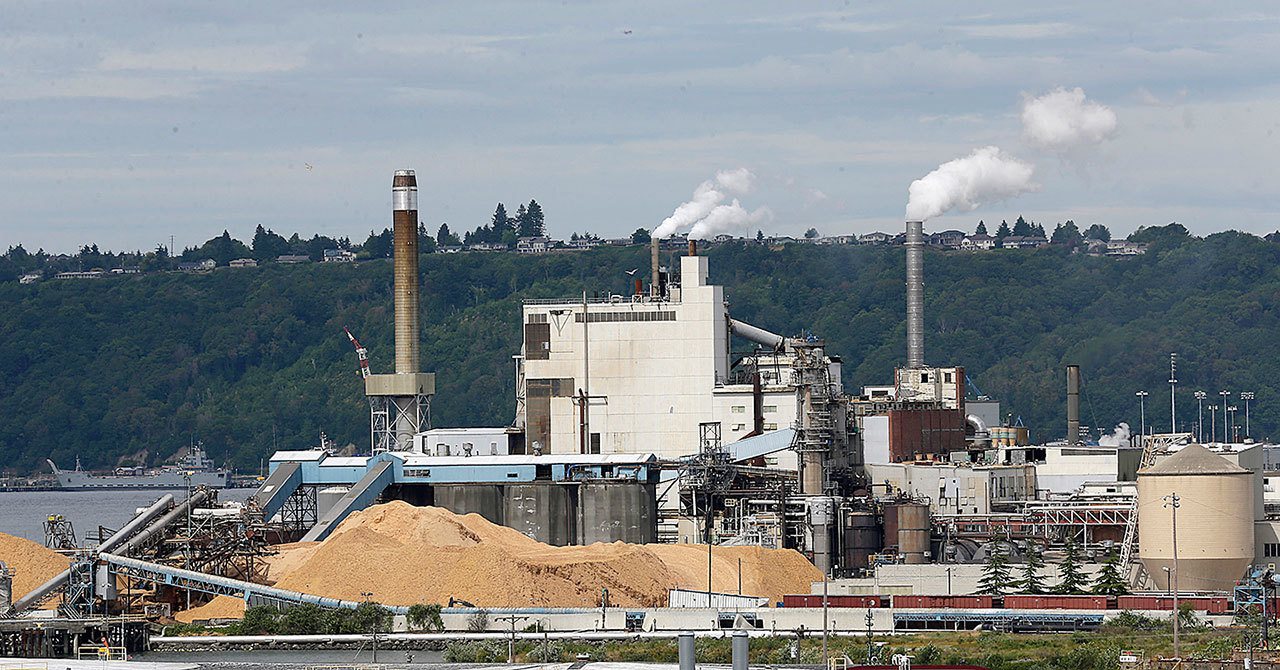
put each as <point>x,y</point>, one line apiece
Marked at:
<point>425,617</point>
<point>309,619</point>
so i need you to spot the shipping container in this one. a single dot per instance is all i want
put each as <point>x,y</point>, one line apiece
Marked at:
<point>812,600</point>
<point>1209,604</point>
<point>1053,602</point>
<point>943,602</point>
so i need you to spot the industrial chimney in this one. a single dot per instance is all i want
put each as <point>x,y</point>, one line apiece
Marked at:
<point>915,294</point>
<point>1073,404</point>
<point>404,217</point>
<point>655,289</point>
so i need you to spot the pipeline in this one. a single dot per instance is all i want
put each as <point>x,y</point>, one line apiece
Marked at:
<point>116,538</point>
<point>198,497</point>
<point>758,335</point>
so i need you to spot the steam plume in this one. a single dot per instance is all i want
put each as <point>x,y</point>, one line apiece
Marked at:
<point>1118,437</point>
<point>707,215</point>
<point>986,175</point>
<point>1063,119</point>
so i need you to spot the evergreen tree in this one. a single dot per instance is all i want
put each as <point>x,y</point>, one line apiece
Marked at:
<point>1071,580</point>
<point>759,235</point>
<point>445,237</point>
<point>995,572</point>
<point>1032,581</point>
<point>981,229</point>
<point>1098,232</point>
<point>641,236</point>
<point>533,224</point>
<point>378,245</point>
<point>1021,228</point>
<point>500,221</point>
<point>520,221</point>
<point>1003,231</point>
<point>1038,231</point>
<point>267,246</point>
<point>1066,233</point>
<point>811,234</point>
<point>1109,581</point>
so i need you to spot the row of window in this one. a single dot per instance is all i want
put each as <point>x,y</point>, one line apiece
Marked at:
<point>612,317</point>
<point>743,426</point>
<point>741,409</point>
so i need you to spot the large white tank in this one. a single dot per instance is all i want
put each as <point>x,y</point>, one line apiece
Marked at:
<point>1215,520</point>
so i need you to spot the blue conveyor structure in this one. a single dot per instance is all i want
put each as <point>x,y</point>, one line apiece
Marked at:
<point>277,488</point>
<point>361,495</point>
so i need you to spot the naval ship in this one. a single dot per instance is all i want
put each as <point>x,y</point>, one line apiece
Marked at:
<point>194,469</point>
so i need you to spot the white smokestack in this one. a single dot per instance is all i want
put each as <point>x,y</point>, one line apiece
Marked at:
<point>707,215</point>
<point>984,176</point>
<point>1063,119</point>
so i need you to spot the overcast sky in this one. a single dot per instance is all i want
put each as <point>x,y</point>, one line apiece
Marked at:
<point>125,123</point>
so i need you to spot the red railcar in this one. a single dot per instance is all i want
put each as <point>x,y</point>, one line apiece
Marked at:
<point>944,602</point>
<point>1051,602</point>
<point>811,600</point>
<point>1209,604</point>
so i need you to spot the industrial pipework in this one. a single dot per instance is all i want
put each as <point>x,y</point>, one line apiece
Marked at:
<point>404,201</point>
<point>915,294</point>
<point>1073,404</point>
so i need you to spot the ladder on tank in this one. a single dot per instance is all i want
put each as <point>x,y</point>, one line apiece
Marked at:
<point>1152,446</point>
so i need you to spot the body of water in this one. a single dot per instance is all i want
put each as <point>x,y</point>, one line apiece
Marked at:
<point>22,513</point>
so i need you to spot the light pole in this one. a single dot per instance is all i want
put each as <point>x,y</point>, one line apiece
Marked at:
<point>367,595</point>
<point>186,477</point>
<point>1200,396</point>
<point>1213,422</point>
<point>1246,396</point>
<point>1142,411</point>
<point>1234,428</point>
<point>1225,394</point>
<point>1173,393</point>
<point>1173,501</point>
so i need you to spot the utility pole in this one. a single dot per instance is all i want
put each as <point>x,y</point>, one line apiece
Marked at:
<point>1213,422</point>
<point>1200,396</point>
<point>870,645</point>
<point>1173,501</point>
<point>1225,394</point>
<point>1173,393</point>
<point>511,640</point>
<point>1246,396</point>
<point>1142,412</point>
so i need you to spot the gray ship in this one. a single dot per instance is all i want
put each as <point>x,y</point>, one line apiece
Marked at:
<point>194,469</point>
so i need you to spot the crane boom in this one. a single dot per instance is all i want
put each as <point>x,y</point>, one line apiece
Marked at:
<point>361,353</point>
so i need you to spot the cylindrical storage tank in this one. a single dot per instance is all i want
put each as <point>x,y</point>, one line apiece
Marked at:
<point>913,533</point>
<point>890,527</point>
<point>1214,517</point>
<point>861,538</point>
<point>6,589</point>
<point>482,499</point>
<point>540,511</point>
<point>611,512</point>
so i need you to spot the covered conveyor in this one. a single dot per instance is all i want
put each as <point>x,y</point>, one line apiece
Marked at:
<point>277,488</point>
<point>361,495</point>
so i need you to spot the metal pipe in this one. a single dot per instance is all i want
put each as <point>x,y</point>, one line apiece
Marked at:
<point>1073,404</point>
<point>655,287</point>
<point>174,515</point>
<point>144,517</point>
<point>688,660</point>
<point>404,220</point>
<point>740,647</point>
<point>758,335</point>
<point>693,247</point>
<point>915,294</point>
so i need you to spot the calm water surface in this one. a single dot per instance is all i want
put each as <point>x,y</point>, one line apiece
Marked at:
<point>23,513</point>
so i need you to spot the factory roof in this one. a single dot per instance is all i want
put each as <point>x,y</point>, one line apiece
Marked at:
<point>308,455</point>
<point>1194,459</point>
<point>760,445</point>
<point>547,459</point>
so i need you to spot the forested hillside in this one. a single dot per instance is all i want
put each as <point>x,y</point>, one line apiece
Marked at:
<point>132,368</point>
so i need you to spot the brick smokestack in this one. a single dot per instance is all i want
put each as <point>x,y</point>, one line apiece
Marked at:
<point>404,217</point>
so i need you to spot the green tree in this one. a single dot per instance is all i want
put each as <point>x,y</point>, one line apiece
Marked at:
<point>369,616</point>
<point>1109,581</point>
<point>981,229</point>
<point>811,234</point>
<point>995,572</point>
<point>379,245</point>
<point>445,237</point>
<point>500,222</point>
<point>1032,581</point>
<point>1021,228</point>
<point>259,620</point>
<point>1003,230</point>
<point>1098,232</point>
<point>641,236</point>
<point>267,245</point>
<point>1071,579</point>
<point>531,219</point>
<point>425,617</point>
<point>1066,234</point>
<point>760,236</point>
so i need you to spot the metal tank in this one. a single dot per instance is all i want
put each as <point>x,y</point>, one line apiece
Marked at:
<point>861,538</point>
<point>543,512</point>
<point>482,499</point>
<point>6,589</point>
<point>612,512</point>
<point>1214,520</point>
<point>913,532</point>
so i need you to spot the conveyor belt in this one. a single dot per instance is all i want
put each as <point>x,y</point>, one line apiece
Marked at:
<point>361,495</point>
<point>278,487</point>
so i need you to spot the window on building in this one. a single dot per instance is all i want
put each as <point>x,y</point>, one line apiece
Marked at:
<point>595,443</point>
<point>769,409</point>
<point>771,426</point>
<point>924,377</point>
<point>739,426</point>
<point>946,377</point>
<point>739,409</point>
<point>1271,549</point>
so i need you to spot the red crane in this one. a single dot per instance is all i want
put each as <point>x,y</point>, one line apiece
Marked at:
<point>361,353</point>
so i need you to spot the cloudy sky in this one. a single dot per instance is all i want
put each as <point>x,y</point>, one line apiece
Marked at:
<point>125,123</point>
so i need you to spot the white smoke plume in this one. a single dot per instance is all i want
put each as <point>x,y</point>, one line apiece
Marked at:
<point>707,215</point>
<point>1063,119</point>
<point>1118,437</point>
<point>984,176</point>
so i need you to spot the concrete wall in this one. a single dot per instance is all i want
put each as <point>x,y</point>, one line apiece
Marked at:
<point>955,489</point>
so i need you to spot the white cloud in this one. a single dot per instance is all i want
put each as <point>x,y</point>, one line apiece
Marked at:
<point>1062,120</point>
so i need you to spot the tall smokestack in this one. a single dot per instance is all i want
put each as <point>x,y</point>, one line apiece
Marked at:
<point>693,247</point>
<point>915,294</point>
<point>404,217</point>
<point>654,288</point>
<point>1073,404</point>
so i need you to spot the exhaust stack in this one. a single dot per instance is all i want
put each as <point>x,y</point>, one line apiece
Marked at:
<point>693,247</point>
<point>404,201</point>
<point>915,294</point>
<point>655,289</point>
<point>1073,404</point>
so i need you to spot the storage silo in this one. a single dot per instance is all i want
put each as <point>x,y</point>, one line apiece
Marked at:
<point>1215,520</point>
